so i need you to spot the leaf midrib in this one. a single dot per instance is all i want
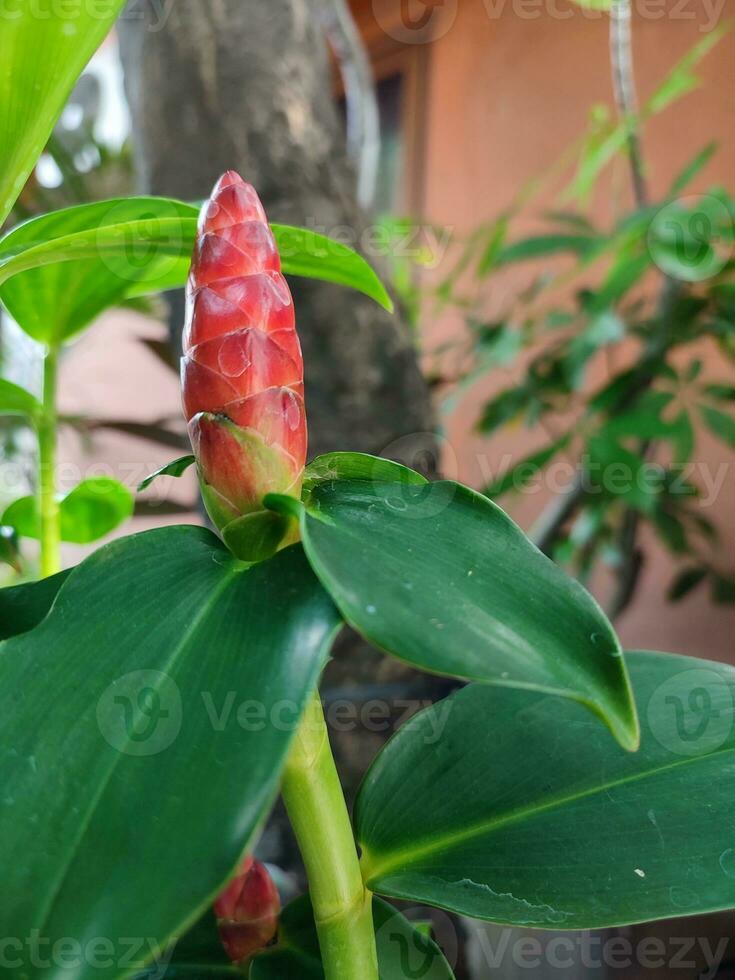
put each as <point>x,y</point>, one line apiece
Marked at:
<point>206,608</point>
<point>427,849</point>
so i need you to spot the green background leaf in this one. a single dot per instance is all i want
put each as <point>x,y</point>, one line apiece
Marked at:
<point>522,812</point>
<point>132,672</point>
<point>89,512</point>
<point>15,400</point>
<point>176,467</point>
<point>440,577</point>
<point>22,607</point>
<point>45,46</point>
<point>79,261</point>
<point>720,424</point>
<point>60,270</point>
<point>403,952</point>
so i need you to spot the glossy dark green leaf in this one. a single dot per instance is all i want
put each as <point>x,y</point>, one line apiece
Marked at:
<point>404,953</point>
<point>358,466</point>
<point>60,270</point>
<point>198,955</point>
<point>23,607</point>
<point>440,577</point>
<point>45,46</point>
<point>124,812</point>
<point>176,467</point>
<point>15,400</point>
<point>719,423</point>
<point>87,513</point>
<point>512,807</point>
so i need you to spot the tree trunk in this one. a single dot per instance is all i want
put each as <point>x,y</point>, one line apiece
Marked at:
<point>246,85</point>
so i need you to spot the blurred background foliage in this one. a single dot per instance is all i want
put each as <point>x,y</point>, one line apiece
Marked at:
<point>640,293</point>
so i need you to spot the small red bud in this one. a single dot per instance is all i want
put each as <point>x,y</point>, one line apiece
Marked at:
<point>242,371</point>
<point>247,912</point>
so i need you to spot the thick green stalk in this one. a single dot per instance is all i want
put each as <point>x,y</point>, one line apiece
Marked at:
<point>318,813</point>
<point>48,505</point>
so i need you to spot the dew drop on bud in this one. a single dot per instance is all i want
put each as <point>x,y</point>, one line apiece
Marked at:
<point>292,411</point>
<point>233,357</point>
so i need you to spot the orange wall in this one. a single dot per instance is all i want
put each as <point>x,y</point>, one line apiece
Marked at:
<point>503,97</point>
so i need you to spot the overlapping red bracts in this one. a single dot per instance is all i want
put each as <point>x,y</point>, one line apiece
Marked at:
<point>247,912</point>
<point>242,371</point>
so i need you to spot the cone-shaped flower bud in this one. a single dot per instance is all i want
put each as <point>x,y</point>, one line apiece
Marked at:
<point>247,912</point>
<point>242,370</point>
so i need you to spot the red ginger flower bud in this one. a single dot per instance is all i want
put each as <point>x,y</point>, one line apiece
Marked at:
<point>242,371</point>
<point>247,912</point>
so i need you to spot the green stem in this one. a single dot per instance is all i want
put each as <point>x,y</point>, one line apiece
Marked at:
<point>48,505</point>
<point>316,808</point>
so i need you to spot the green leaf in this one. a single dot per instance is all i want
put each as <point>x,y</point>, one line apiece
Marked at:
<point>89,512</point>
<point>721,392</point>
<point>306,253</point>
<point>23,607</point>
<point>176,467</point>
<point>624,274</point>
<point>60,270</point>
<point>686,581</point>
<point>494,246</point>
<point>543,246</point>
<point>681,79</point>
<point>719,424</point>
<point>439,576</point>
<point>723,589</point>
<point>9,548</point>
<point>404,952</point>
<point>693,168</point>
<point>524,813</point>
<point>571,219</point>
<point>522,472</point>
<point>621,473</point>
<point>645,421</point>
<point>257,536</point>
<point>151,649</point>
<point>198,955</point>
<point>15,400</point>
<point>505,407</point>
<point>45,46</point>
<point>358,466</point>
